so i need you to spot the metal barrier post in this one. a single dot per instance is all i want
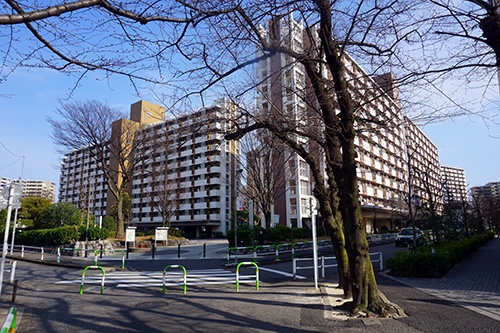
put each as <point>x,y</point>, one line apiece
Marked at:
<point>381,261</point>
<point>276,247</point>
<point>294,268</point>
<point>165,279</point>
<point>42,255</point>
<point>13,271</point>
<point>322,267</point>
<point>256,274</point>
<point>59,255</point>
<point>229,255</point>
<point>22,251</point>
<point>102,277</point>
<point>9,325</point>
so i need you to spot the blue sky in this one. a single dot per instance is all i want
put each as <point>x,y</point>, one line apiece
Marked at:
<point>28,97</point>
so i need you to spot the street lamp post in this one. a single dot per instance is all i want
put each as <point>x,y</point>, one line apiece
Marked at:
<point>88,210</point>
<point>237,172</point>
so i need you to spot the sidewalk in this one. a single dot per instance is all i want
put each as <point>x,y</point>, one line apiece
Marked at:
<point>474,283</point>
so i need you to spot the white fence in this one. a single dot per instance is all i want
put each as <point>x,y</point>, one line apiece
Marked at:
<point>322,265</point>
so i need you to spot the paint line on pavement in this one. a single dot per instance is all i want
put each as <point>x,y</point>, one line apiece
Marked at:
<point>300,277</point>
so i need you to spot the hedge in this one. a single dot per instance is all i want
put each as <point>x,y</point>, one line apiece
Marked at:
<point>276,235</point>
<point>58,236</point>
<point>424,263</point>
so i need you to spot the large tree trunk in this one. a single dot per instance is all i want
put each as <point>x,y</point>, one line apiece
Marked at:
<point>363,283</point>
<point>120,224</point>
<point>334,223</point>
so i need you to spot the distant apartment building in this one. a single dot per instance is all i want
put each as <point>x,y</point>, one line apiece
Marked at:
<point>4,181</point>
<point>454,185</point>
<point>34,188</point>
<point>423,169</point>
<point>387,155</point>
<point>39,188</point>
<point>487,195</point>
<point>183,170</point>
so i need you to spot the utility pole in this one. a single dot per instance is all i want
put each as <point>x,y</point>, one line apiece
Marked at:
<point>236,173</point>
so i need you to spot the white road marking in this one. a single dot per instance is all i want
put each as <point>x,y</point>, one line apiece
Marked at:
<point>300,277</point>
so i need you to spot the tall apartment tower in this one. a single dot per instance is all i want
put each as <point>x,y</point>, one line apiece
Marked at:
<point>382,170</point>
<point>454,185</point>
<point>281,78</point>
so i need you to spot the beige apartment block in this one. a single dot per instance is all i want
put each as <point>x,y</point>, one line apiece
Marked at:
<point>183,171</point>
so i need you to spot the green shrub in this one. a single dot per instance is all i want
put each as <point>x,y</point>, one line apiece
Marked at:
<point>277,235</point>
<point>217,234</point>
<point>424,263</point>
<point>301,233</point>
<point>93,233</point>
<point>174,232</point>
<point>48,237</point>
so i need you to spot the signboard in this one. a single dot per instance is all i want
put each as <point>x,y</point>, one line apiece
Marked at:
<point>17,191</point>
<point>4,203</point>
<point>239,203</point>
<point>161,234</point>
<point>130,234</point>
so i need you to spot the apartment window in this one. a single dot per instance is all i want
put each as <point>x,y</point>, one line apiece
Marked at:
<point>293,206</point>
<point>303,168</point>
<point>293,185</point>
<point>304,187</point>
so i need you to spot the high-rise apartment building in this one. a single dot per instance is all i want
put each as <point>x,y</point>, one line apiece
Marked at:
<point>183,174</point>
<point>454,185</point>
<point>186,173</point>
<point>387,155</point>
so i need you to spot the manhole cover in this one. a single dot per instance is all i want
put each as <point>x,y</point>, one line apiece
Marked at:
<point>150,305</point>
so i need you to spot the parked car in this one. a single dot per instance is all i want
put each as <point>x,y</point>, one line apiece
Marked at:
<point>405,237</point>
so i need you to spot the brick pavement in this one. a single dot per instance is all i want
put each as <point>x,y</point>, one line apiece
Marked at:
<point>474,283</point>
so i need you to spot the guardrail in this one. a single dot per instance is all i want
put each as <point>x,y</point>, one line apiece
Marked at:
<point>12,270</point>
<point>276,249</point>
<point>254,252</point>
<point>322,264</point>
<point>60,252</point>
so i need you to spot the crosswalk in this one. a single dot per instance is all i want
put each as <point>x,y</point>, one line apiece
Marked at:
<point>133,279</point>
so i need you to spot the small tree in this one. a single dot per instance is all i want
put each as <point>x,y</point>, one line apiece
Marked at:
<point>33,208</point>
<point>109,140</point>
<point>61,214</point>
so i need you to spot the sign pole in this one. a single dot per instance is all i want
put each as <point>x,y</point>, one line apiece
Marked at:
<point>315,246</point>
<point>6,235</point>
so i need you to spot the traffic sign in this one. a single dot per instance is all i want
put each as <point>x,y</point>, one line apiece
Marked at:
<point>17,191</point>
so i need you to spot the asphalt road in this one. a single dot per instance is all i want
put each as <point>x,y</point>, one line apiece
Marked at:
<point>280,304</point>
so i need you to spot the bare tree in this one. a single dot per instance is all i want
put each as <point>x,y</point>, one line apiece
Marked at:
<point>107,137</point>
<point>265,181</point>
<point>202,48</point>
